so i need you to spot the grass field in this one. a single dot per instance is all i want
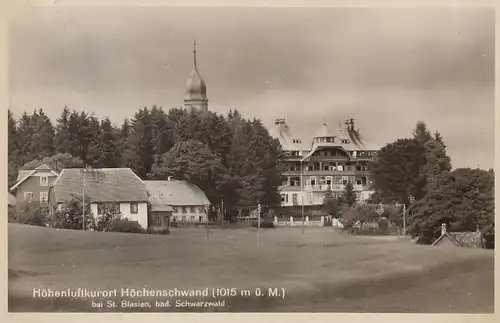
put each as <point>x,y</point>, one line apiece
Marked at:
<point>320,270</point>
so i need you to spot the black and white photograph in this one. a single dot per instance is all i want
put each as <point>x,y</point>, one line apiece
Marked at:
<point>237,159</point>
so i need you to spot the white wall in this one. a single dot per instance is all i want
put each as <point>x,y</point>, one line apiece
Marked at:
<point>141,216</point>
<point>189,215</point>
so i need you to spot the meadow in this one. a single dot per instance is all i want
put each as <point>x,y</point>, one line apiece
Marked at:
<point>321,270</point>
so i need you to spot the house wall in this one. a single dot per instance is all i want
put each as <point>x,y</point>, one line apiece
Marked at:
<point>141,217</point>
<point>32,184</point>
<point>199,215</point>
<point>164,217</point>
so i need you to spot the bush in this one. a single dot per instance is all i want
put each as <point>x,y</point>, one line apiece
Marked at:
<point>372,232</point>
<point>383,225</point>
<point>125,225</point>
<point>157,230</point>
<point>30,213</point>
<point>264,223</point>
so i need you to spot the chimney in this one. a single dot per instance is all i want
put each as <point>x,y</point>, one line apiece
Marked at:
<point>443,228</point>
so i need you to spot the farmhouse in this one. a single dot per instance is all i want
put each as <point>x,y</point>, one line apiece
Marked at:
<point>181,200</point>
<point>118,188</point>
<point>32,186</point>
<point>459,239</point>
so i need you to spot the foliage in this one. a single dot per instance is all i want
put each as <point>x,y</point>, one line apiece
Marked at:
<point>264,224</point>
<point>30,213</point>
<point>399,168</point>
<point>331,205</point>
<point>156,230</point>
<point>57,162</point>
<point>70,216</point>
<point>105,221</point>
<point>463,199</point>
<point>349,195</point>
<point>126,226</point>
<point>383,224</point>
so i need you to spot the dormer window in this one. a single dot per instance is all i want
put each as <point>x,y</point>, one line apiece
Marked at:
<point>44,181</point>
<point>345,141</point>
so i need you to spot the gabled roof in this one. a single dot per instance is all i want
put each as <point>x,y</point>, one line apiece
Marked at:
<point>25,174</point>
<point>102,185</point>
<point>281,131</point>
<point>463,239</point>
<point>175,193</point>
<point>446,236</point>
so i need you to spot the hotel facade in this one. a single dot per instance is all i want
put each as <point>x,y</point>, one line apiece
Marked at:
<point>328,163</point>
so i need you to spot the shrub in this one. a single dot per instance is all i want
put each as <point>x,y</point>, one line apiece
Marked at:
<point>30,213</point>
<point>383,224</point>
<point>374,231</point>
<point>125,225</point>
<point>264,223</point>
<point>156,230</point>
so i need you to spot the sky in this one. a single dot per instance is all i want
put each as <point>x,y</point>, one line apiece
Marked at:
<point>385,67</point>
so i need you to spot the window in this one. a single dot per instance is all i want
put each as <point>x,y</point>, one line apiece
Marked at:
<point>312,180</point>
<point>175,210</point>
<point>294,199</point>
<point>183,218</point>
<point>329,180</point>
<point>358,182</point>
<point>110,207</point>
<point>284,198</point>
<point>44,181</point>
<point>191,209</point>
<point>44,197</point>
<point>309,167</point>
<point>294,181</point>
<point>158,219</point>
<point>28,196</point>
<point>184,210</point>
<point>326,166</point>
<point>134,208</point>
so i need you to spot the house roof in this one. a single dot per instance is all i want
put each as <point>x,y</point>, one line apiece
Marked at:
<point>281,131</point>
<point>25,174</point>
<point>175,193</point>
<point>12,199</point>
<point>463,239</point>
<point>102,185</point>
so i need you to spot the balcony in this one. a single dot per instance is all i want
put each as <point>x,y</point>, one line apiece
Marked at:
<point>334,187</point>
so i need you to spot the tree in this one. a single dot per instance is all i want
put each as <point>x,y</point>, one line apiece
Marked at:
<point>141,154</point>
<point>194,162</point>
<point>349,195</point>
<point>57,162</point>
<point>13,149</point>
<point>70,216</point>
<point>464,200</point>
<point>331,205</point>
<point>106,153</point>
<point>395,172</point>
<point>63,139</point>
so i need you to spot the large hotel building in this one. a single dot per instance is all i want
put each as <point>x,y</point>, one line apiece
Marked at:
<point>329,162</point>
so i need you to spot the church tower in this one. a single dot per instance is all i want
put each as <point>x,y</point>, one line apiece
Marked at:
<point>196,89</point>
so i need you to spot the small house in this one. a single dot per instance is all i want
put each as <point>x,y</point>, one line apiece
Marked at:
<point>32,186</point>
<point>116,188</point>
<point>459,239</point>
<point>178,200</point>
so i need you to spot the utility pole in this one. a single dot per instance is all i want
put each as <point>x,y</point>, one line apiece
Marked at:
<point>302,192</point>
<point>404,220</point>
<point>85,170</point>
<point>258,225</point>
<point>222,211</point>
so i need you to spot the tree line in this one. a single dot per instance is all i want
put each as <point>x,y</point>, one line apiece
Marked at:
<point>417,172</point>
<point>229,157</point>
